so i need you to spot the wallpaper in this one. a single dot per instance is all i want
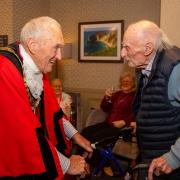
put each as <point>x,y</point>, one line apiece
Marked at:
<point>6,14</point>
<point>70,12</point>
<point>24,10</point>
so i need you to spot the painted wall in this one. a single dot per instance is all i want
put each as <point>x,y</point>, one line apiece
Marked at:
<point>24,10</point>
<point>170,14</point>
<point>6,21</point>
<point>15,13</point>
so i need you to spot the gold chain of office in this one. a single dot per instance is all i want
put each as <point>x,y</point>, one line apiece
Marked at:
<point>34,102</point>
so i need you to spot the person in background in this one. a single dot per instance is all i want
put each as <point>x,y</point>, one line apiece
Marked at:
<point>118,106</point>
<point>64,100</point>
<point>156,106</point>
<point>33,131</point>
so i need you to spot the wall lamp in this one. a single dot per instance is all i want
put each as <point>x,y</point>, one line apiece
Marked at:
<point>66,51</point>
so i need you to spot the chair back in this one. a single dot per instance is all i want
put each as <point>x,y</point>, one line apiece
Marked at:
<point>95,117</point>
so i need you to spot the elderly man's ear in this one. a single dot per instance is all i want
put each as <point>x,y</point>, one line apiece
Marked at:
<point>148,49</point>
<point>32,46</point>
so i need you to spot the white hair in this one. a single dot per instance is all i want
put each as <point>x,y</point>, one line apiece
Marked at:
<point>37,28</point>
<point>150,32</point>
<point>163,42</point>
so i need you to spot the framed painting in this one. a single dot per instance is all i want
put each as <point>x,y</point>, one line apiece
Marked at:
<point>100,41</point>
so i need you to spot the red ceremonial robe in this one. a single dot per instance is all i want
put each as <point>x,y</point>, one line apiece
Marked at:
<point>52,106</point>
<point>20,152</point>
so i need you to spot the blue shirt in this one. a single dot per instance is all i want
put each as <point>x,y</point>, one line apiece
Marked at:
<point>174,86</point>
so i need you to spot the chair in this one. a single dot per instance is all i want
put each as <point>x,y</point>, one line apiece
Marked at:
<point>95,117</point>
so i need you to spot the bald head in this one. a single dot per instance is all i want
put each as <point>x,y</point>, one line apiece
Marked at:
<point>143,32</point>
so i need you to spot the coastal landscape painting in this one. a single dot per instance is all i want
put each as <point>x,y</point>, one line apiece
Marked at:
<point>100,41</point>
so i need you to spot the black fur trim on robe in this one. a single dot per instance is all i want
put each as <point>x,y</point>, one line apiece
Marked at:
<point>61,146</point>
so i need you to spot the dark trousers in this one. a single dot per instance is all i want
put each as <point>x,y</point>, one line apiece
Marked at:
<point>100,132</point>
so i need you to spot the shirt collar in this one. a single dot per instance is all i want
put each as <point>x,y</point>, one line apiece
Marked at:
<point>148,68</point>
<point>28,60</point>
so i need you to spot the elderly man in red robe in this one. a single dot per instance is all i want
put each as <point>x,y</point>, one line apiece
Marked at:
<point>33,132</point>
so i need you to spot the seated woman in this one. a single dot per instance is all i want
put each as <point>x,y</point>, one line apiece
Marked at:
<point>64,100</point>
<point>118,105</point>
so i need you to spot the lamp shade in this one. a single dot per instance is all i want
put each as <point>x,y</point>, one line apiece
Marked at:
<point>66,51</point>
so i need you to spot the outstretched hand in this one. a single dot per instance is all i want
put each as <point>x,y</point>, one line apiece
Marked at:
<point>158,166</point>
<point>84,143</point>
